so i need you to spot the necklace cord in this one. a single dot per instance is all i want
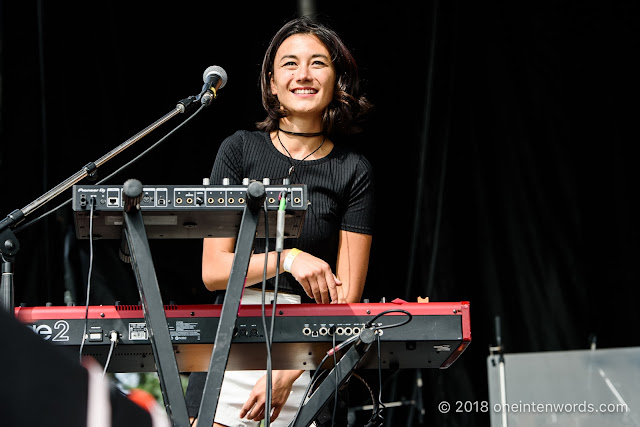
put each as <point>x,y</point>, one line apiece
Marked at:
<point>291,159</point>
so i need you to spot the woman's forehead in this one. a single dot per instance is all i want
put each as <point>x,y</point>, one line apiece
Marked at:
<point>297,44</point>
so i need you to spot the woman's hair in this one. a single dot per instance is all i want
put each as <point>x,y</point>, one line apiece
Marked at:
<point>347,107</point>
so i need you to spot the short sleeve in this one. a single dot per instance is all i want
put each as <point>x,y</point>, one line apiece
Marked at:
<point>358,216</point>
<point>229,163</point>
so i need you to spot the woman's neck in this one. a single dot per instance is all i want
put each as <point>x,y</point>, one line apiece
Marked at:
<point>298,146</point>
<point>301,125</point>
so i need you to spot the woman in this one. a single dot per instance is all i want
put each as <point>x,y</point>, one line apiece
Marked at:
<point>310,91</point>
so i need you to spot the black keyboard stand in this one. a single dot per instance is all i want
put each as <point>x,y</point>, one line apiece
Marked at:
<point>142,264</point>
<point>334,380</point>
<point>152,307</point>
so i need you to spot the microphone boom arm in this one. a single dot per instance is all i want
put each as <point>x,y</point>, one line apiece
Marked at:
<point>9,245</point>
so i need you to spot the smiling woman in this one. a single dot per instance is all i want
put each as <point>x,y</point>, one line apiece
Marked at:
<point>310,91</point>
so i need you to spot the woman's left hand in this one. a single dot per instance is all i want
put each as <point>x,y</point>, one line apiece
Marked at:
<point>282,381</point>
<point>316,278</point>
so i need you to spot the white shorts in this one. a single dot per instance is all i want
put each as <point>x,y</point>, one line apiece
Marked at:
<point>237,385</point>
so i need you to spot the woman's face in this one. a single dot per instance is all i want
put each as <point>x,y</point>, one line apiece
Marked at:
<point>303,76</point>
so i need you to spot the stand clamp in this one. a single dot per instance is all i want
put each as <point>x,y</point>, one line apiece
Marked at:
<point>9,247</point>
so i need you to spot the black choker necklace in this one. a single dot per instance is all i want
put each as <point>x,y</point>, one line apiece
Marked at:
<point>305,134</point>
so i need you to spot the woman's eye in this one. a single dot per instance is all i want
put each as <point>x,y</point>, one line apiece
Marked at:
<point>289,64</point>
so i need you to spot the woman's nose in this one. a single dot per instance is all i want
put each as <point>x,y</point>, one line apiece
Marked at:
<point>302,74</point>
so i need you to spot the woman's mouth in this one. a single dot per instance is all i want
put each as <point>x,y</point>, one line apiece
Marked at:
<point>305,91</point>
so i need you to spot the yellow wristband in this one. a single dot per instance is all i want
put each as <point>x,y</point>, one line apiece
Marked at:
<point>286,265</point>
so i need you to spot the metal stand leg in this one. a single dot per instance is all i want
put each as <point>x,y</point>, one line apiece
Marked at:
<point>153,309</point>
<point>416,400</point>
<point>310,409</point>
<point>499,350</point>
<point>244,246</point>
<point>6,285</point>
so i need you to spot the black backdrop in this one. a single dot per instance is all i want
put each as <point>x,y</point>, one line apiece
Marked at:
<point>502,144</point>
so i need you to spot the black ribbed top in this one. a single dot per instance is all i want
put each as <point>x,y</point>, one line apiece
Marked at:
<point>339,186</point>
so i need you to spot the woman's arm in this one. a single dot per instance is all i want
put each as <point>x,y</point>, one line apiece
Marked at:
<point>313,274</point>
<point>282,382</point>
<point>352,265</point>
<point>217,258</point>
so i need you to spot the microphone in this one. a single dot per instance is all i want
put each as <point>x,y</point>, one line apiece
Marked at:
<point>214,78</point>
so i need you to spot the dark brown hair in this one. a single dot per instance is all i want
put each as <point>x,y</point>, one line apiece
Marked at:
<point>347,107</point>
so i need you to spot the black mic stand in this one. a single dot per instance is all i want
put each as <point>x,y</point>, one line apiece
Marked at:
<point>9,244</point>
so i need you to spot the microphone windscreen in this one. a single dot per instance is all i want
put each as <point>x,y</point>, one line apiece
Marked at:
<point>215,70</point>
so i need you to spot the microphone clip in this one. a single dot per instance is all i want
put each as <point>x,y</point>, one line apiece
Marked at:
<point>187,104</point>
<point>208,96</point>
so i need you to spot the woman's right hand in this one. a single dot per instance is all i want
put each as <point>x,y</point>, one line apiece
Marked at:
<point>316,278</point>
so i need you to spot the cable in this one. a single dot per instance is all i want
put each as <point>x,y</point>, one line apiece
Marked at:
<point>113,337</point>
<point>267,338</point>
<point>377,415</point>
<point>279,248</point>
<point>335,394</point>
<point>126,165</point>
<point>374,403</point>
<point>86,308</point>
<point>135,159</point>
<point>44,215</point>
<point>381,406</point>
<point>394,325</point>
